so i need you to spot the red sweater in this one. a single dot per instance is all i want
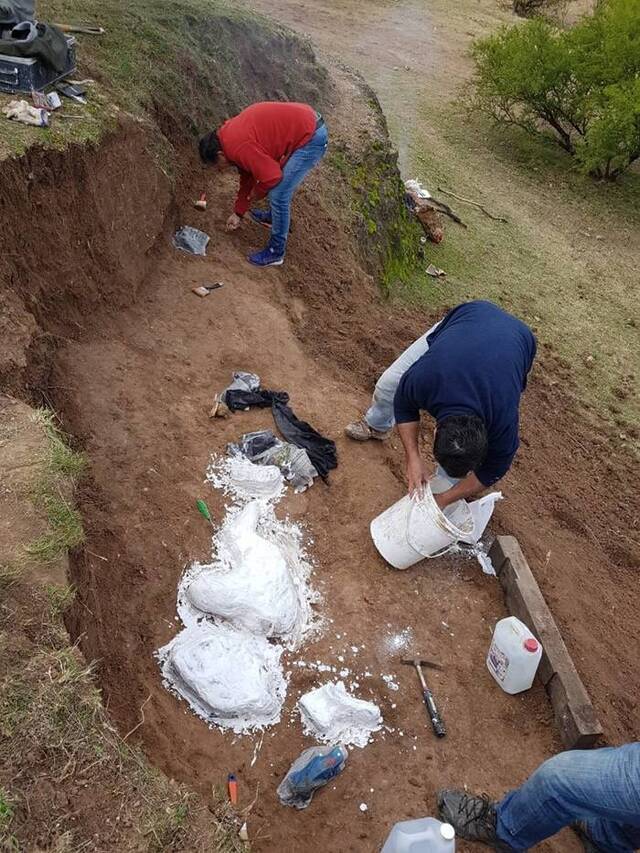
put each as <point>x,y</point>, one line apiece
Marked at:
<point>260,140</point>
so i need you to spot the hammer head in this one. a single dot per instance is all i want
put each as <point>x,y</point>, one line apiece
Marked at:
<point>419,662</point>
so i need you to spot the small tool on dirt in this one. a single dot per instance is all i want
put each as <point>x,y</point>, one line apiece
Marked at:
<point>206,289</point>
<point>76,93</point>
<point>201,204</point>
<point>203,509</point>
<point>233,789</point>
<point>88,29</point>
<point>436,720</point>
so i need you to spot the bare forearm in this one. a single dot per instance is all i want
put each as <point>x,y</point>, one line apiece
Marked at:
<point>466,488</point>
<point>409,437</point>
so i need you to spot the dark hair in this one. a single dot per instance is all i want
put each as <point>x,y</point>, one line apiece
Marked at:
<point>460,445</point>
<point>209,147</point>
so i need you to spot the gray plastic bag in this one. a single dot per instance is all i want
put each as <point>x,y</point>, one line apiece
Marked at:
<point>190,240</point>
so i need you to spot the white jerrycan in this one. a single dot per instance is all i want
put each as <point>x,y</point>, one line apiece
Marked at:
<point>514,655</point>
<point>425,835</point>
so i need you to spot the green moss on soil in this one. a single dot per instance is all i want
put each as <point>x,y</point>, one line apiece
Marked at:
<point>388,236</point>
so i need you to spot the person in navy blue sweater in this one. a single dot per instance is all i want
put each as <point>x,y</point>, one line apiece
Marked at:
<point>468,372</point>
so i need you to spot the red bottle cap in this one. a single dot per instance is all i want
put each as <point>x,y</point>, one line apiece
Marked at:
<point>531,645</point>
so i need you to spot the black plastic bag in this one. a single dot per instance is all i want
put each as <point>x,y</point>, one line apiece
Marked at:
<point>238,400</point>
<point>321,450</point>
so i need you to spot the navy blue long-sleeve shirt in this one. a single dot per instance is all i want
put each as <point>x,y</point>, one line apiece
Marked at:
<point>477,363</point>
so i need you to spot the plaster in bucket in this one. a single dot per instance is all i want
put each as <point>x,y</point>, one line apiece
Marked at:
<point>415,528</point>
<point>230,678</point>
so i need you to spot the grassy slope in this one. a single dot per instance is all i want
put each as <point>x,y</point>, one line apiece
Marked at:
<point>569,258</point>
<point>155,57</point>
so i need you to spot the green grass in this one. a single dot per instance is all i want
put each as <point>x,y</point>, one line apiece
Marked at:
<point>10,573</point>
<point>65,526</point>
<point>60,599</point>
<point>547,263</point>
<point>54,730</point>
<point>8,840</point>
<point>62,459</point>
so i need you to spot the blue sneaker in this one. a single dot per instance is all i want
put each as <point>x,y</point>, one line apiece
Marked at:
<point>262,217</point>
<point>266,257</point>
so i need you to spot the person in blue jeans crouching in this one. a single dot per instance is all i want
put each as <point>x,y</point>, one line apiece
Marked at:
<point>596,792</point>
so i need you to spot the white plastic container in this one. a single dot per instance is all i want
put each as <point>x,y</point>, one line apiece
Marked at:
<point>413,529</point>
<point>425,835</point>
<point>514,655</point>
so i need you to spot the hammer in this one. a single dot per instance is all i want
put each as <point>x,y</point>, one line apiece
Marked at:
<point>427,695</point>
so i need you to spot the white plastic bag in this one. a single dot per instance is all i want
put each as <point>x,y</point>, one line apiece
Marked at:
<point>481,512</point>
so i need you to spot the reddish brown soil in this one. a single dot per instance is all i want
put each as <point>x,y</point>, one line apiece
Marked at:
<point>135,386</point>
<point>142,381</point>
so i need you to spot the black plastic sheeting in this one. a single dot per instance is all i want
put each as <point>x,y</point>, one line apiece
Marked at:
<point>321,450</point>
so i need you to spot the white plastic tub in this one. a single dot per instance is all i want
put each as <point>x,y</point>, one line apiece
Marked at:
<point>413,529</point>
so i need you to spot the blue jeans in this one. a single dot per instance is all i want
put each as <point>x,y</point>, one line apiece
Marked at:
<point>380,414</point>
<point>600,787</point>
<point>294,172</point>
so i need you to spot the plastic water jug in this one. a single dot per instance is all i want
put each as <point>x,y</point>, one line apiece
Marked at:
<point>514,655</point>
<point>425,835</point>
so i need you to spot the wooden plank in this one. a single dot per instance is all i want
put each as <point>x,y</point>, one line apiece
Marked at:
<point>575,715</point>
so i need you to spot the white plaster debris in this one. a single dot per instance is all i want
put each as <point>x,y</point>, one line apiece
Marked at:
<point>415,185</point>
<point>332,715</point>
<point>242,478</point>
<point>318,667</point>
<point>256,587</point>
<point>389,681</point>
<point>258,580</point>
<point>230,678</point>
<point>256,749</point>
<point>394,643</point>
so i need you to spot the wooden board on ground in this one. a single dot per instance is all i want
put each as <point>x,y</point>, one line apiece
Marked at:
<point>575,715</point>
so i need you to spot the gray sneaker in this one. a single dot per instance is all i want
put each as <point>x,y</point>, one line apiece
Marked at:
<point>361,431</point>
<point>473,818</point>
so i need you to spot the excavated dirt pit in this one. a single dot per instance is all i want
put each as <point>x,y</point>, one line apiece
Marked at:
<point>138,385</point>
<point>132,371</point>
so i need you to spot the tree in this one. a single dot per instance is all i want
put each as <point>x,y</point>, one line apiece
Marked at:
<point>529,8</point>
<point>579,86</point>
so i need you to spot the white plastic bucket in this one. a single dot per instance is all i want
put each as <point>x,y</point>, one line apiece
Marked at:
<point>413,529</point>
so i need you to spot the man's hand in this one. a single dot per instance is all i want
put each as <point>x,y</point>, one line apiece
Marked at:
<point>417,476</point>
<point>233,222</point>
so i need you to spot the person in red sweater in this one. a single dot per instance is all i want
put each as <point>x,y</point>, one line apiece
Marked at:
<point>273,145</point>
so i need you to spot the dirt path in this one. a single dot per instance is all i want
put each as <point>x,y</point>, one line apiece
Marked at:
<point>142,382</point>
